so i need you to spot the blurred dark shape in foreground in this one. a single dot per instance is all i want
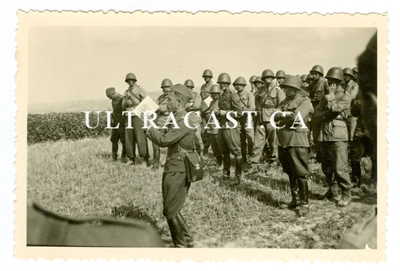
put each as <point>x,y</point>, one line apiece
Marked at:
<point>48,229</point>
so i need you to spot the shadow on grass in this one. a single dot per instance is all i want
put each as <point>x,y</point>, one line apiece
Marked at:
<point>130,211</point>
<point>104,155</point>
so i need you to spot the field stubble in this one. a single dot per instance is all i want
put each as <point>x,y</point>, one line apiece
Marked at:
<point>79,179</point>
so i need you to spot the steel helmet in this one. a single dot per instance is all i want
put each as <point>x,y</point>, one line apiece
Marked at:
<point>130,76</point>
<point>292,81</point>
<point>224,78</point>
<point>215,89</point>
<point>348,71</point>
<point>280,74</point>
<point>258,79</point>
<point>267,73</point>
<point>304,77</point>
<point>189,83</point>
<point>207,73</point>
<point>310,77</point>
<point>166,83</point>
<point>335,73</point>
<point>318,68</point>
<point>252,78</point>
<point>240,81</point>
<point>355,69</point>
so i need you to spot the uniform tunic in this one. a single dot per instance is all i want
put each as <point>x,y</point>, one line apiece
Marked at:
<point>205,90</point>
<point>174,183</point>
<point>117,118</point>
<point>352,89</point>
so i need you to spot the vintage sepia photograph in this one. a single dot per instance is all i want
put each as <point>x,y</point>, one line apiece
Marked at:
<point>231,135</point>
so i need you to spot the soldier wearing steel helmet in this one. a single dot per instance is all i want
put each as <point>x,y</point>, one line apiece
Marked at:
<point>212,128</point>
<point>293,143</point>
<point>355,73</point>
<point>350,87</point>
<point>253,86</point>
<point>268,100</point>
<point>228,138</point>
<point>318,89</point>
<point>175,184</point>
<point>246,121</point>
<point>162,116</point>
<point>132,97</point>
<point>194,106</point>
<point>205,93</point>
<point>280,77</point>
<point>331,114</point>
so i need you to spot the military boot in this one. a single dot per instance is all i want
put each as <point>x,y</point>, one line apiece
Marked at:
<point>345,200</point>
<point>114,156</point>
<point>186,231</point>
<point>177,234</point>
<point>293,191</point>
<point>356,173</point>
<point>238,172</point>
<point>156,159</point>
<point>227,167</point>
<point>303,197</point>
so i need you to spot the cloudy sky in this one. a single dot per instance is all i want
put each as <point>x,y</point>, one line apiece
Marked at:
<point>79,63</point>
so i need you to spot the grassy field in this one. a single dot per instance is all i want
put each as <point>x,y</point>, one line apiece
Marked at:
<point>79,179</point>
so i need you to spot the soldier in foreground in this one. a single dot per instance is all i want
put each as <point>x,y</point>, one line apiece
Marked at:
<point>205,93</point>
<point>228,138</point>
<point>331,115</point>
<point>174,181</point>
<point>246,133</point>
<point>117,120</point>
<point>132,98</point>
<point>293,144</point>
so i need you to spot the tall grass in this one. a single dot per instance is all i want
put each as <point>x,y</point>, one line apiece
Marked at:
<point>79,179</point>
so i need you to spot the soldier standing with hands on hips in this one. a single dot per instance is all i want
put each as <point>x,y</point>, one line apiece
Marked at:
<point>175,185</point>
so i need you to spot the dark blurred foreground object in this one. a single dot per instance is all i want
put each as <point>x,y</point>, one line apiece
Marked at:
<point>362,235</point>
<point>48,229</point>
<point>365,233</point>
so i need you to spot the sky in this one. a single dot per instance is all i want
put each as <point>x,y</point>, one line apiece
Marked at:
<point>79,63</point>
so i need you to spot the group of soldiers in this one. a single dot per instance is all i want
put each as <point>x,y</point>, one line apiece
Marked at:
<point>295,118</point>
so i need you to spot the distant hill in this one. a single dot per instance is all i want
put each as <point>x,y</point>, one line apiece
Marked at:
<point>77,106</point>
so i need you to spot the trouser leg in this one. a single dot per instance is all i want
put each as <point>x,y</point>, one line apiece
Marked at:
<point>141,139</point>
<point>340,162</point>
<point>115,150</point>
<point>215,149</point>
<point>259,142</point>
<point>328,170</point>
<point>224,150</point>
<point>271,138</point>
<point>130,142</point>
<point>156,156</point>
<point>177,233</point>
<point>186,231</point>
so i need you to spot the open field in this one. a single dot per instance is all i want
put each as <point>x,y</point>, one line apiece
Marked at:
<point>79,179</point>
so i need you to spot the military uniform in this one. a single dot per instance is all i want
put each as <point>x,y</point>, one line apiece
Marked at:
<point>317,90</point>
<point>132,97</point>
<point>204,94</point>
<point>246,133</point>
<point>331,114</point>
<point>162,116</point>
<point>351,88</point>
<point>229,138</point>
<point>212,130</point>
<point>361,146</point>
<point>266,103</point>
<point>194,119</point>
<point>118,134</point>
<point>174,181</point>
<point>293,146</point>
